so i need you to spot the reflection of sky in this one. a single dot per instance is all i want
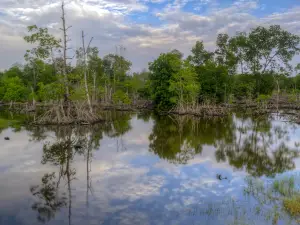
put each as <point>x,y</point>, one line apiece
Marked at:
<point>130,185</point>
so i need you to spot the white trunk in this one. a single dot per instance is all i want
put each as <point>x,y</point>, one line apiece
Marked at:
<point>94,76</point>
<point>33,99</point>
<point>85,75</point>
<point>64,29</point>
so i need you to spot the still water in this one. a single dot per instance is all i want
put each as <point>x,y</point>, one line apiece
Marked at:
<point>139,168</point>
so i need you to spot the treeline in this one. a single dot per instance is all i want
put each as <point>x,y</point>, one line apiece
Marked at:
<point>246,66</point>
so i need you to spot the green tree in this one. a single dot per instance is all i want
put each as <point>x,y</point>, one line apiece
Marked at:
<point>225,53</point>
<point>214,82</point>
<point>162,71</point>
<point>95,69</point>
<point>271,49</point>
<point>52,91</point>
<point>47,44</point>
<point>14,90</point>
<point>184,86</point>
<point>199,55</point>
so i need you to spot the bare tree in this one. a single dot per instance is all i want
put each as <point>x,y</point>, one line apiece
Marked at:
<point>65,40</point>
<point>85,71</point>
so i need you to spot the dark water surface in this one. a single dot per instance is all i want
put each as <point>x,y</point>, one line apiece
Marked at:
<point>142,169</point>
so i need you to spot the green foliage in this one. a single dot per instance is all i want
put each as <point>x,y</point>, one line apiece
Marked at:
<point>283,196</point>
<point>214,82</point>
<point>52,91</point>
<point>184,85</point>
<point>244,86</point>
<point>263,99</point>
<point>14,90</point>
<point>199,55</point>
<point>14,71</point>
<point>297,82</point>
<point>78,93</point>
<point>121,97</point>
<point>244,66</point>
<point>162,70</point>
<point>265,84</point>
<point>116,67</point>
<point>46,42</point>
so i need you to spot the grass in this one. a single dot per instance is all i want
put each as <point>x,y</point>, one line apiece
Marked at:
<point>282,194</point>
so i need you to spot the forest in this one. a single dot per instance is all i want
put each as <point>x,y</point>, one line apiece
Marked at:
<point>251,66</point>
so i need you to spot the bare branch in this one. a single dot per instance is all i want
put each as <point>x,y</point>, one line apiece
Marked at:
<point>90,43</point>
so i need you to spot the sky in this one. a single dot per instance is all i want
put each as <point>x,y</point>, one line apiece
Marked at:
<point>145,28</point>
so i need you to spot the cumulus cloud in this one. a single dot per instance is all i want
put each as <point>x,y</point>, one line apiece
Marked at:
<point>112,22</point>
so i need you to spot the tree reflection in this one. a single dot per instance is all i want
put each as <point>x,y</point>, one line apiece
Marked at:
<point>258,147</point>
<point>69,141</point>
<point>253,144</point>
<point>60,152</point>
<point>48,199</point>
<point>179,138</point>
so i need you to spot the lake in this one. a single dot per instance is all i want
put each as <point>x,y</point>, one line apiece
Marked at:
<point>141,168</point>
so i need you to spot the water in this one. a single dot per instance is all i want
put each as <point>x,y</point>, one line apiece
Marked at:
<point>142,169</point>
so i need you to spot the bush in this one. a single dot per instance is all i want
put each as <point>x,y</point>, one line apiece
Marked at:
<point>52,91</point>
<point>120,97</point>
<point>244,86</point>
<point>14,90</point>
<point>263,99</point>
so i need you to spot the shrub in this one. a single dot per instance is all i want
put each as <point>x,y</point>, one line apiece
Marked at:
<point>120,97</point>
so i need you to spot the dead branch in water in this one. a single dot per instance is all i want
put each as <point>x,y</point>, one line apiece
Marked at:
<point>65,114</point>
<point>202,110</point>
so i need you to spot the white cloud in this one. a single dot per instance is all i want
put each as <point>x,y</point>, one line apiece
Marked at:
<point>109,22</point>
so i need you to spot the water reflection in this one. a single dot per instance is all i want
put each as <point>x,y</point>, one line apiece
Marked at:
<point>113,173</point>
<point>258,147</point>
<point>48,199</point>
<point>254,145</point>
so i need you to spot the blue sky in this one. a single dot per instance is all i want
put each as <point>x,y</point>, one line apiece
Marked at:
<point>145,27</point>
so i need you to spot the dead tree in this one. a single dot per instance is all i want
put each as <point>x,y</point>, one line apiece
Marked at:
<point>65,40</point>
<point>85,71</point>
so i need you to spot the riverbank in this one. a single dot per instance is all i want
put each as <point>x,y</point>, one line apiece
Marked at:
<point>201,110</point>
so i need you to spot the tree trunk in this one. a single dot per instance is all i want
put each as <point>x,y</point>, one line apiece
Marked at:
<point>94,76</point>
<point>85,75</point>
<point>64,29</point>
<point>33,99</point>
<point>278,92</point>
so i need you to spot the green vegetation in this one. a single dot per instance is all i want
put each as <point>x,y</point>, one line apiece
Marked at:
<point>278,200</point>
<point>248,66</point>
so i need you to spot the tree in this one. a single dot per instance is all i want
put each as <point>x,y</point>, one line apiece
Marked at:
<point>46,44</point>
<point>52,91</point>
<point>14,71</point>
<point>214,82</point>
<point>184,86</point>
<point>65,48</point>
<point>271,49</point>
<point>14,90</point>
<point>225,55</point>
<point>115,69</point>
<point>199,55</point>
<point>95,68</point>
<point>85,71</point>
<point>162,71</point>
